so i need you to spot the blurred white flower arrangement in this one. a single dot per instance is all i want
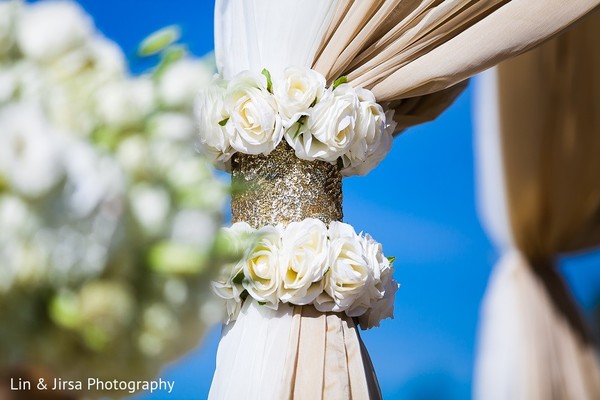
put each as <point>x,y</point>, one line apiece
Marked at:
<point>107,214</point>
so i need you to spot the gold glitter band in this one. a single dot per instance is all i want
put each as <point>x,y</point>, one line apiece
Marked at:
<point>281,188</point>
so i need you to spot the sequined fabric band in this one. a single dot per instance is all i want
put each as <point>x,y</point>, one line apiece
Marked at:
<point>281,188</point>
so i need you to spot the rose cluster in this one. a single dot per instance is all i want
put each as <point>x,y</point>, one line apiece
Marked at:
<point>332,268</point>
<point>108,215</point>
<point>251,114</point>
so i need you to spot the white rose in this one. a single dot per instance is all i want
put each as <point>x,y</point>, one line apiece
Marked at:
<point>228,284</point>
<point>228,288</point>
<point>373,138</point>
<point>50,29</point>
<point>254,125</point>
<point>262,264</point>
<point>349,272</point>
<point>125,103</point>
<point>31,158</point>
<point>380,267</point>
<point>296,91</point>
<point>181,82</point>
<point>383,308</point>
<point>210,113</point>
<point>239,237</point>
<point>329,130</point>
<point>304,261</point>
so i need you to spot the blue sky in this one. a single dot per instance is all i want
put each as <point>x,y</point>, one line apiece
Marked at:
<point>420,203</point>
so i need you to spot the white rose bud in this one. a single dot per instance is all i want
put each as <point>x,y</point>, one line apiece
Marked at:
<point>329,130</point>
<point>261,266</point>
<point>210,114</point>
<point>296,91</point>
<point>349,273</point>
<point>254,125</point>
<point>47,30</point>
<point>373,138</point>
<point>304,261</point>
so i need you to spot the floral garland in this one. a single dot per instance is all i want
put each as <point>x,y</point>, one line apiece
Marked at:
<point>251,114</point>
<point>332,268</point>
<point>108,215</point>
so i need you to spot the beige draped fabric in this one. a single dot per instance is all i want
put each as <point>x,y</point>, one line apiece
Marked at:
<point>549,109</point>
<point>406,49</point>
<point>328,359</point>
<point>550,119</point>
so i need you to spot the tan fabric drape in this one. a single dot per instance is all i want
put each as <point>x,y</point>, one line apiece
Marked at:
<point>549,105</point>
<point>327,359</point>
<point>550,120</point>
<point>401,49</point>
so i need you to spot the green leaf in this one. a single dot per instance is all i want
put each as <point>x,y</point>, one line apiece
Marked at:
<point>341,80</point>
<point>267,74</point>
<point>314,103</point>
<point>391,259</point>
<point>262,303</point>
<point>159,40</point>
<point>301,121</point>
<point>224,122</point>
<point>239,278</point>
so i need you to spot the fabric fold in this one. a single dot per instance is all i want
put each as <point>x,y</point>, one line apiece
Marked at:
<point>293,353</point>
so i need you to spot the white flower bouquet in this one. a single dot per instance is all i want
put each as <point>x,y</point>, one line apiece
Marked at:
<point>108,216</point>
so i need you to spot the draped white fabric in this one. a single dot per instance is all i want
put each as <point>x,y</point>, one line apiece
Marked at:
<point>491,199</point>
<point>252,354</point>
<point>414,54</point>
<point>256,34</point>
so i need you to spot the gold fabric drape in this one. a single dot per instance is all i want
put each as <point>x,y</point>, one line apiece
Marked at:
<point>549,108</point>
